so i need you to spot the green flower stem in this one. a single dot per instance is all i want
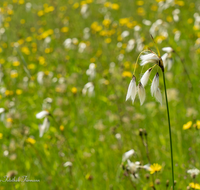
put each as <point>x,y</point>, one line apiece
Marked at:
<point>170,133</point>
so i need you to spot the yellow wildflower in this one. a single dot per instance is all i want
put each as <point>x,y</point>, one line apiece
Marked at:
<point>40,13</point>
<point>62,128</point>
<point>108,40</point>
<point>198,124</point>
<point>16,63</point>
<point>31,66</point>
<point>127,74</point>
<point>1,135</point>
<point>2,61</point>
<point>115,6</point>
<point>187,125</point>
<point>74,90</point>
<point>29,39</point>
<point>30,140</point>
<point>13,74</point>
<point>25,50</point>
<point>21,2</point>
<point>64,29</point>
<point>9,120</point>
<point>18,91</point>
<point>155,168</point>
<point>76,5</point>
<point>106,22</point>
<point>22,21</point>
<point>194,185</point>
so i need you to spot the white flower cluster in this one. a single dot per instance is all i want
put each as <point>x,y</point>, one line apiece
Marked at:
<point>45,126</point>
<point>162,62</point>
<point>155,91</point>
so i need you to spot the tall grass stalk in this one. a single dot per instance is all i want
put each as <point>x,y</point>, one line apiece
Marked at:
<point>170,133</point>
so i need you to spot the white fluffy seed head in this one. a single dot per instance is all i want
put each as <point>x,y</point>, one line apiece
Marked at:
<point>127,155</point>
<point>132,90</point>
<point>158,96</point>
<point>155,84</point>
<point>149,58</point>
<point>42,114</point>
<point>141,93</point>
<point>164,58</point>
<point>167,49</point>
<point>145,77</point>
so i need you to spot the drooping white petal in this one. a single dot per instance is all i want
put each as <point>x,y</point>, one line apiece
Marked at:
<point>145,77</point>
<point>141,93</point>
<point>42,114</point>
<point>149,58</point>
<point>132,90</point>
<point>127,155</point>
<point>155,84</point>
<point>167,49</point>
<point>164,58</point>
<point>158,96</point>
<point>169,63</point>
<point>44,127</point>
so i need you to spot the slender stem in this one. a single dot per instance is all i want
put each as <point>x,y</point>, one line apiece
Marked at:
<point>170,135</point>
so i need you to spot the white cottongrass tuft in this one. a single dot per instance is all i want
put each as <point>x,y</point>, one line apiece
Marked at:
<point>155,84</point>
<point>42,114</point>
<point>158,96</point>
<point>132,90</point>
<point>164,58</point>
<point>68,164</point>
<point>44,127</point>
<point>127,155</point>
<point>133,167</point>
<point>141,93</point>
<point>193,172</point>
<point>167,49</point>
<point>145,77</point>
<point>149,58</point>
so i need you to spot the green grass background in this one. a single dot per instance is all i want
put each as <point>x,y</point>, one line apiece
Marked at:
<point>91,122</point>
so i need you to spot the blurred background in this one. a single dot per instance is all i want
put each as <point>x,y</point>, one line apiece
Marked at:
<point>65,67</point>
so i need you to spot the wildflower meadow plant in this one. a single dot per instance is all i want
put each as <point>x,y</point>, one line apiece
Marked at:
<point>148,56</point>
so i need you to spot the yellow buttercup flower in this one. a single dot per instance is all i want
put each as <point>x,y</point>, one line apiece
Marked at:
<point>30,140</point>
<point>127,74</point>
<point>62,128</point>
<point>187,125</point>
<point>155,168</point>
<point>194,185</point>
<point>198,124</point>
<point>74,90</point>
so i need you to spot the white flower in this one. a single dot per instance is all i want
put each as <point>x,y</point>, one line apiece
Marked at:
<point>149,58</point>
<point>168,49</point>
<point>155,84</point>
<point>158,96</point>
<point>91,71</point>
<point>145,77</point>
<point>164,58</point>
<point>133,167</point>
<point>67,164</point>
<point>193,172</point>
<point>132,90</point>
<point>127,155</point>
<point>146,167</point>
<point>141,93</point>
<point>44,127</point>
<point>88,88</point>
<point>42,114</point>
<point>2,110</point>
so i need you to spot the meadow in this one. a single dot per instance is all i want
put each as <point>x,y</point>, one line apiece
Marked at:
<point>65,68</point>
